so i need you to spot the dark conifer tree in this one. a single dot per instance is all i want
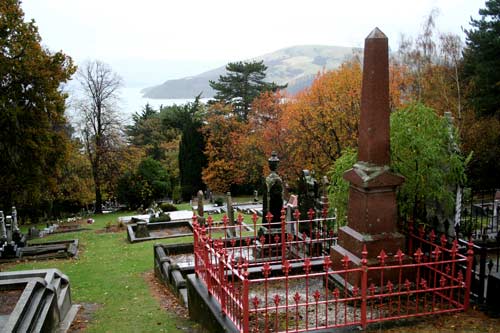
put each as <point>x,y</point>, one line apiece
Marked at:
<point>242,84</point>
<point>482,60</point>
<point>188,119</point>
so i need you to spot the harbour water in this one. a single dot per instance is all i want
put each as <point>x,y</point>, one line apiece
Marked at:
<point>132,102</point>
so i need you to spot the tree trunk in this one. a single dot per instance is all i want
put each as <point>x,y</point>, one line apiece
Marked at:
<point>98,199</point>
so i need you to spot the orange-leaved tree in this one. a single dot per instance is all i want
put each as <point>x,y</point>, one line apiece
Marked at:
<point>323,119</point>
<point>221,130</point>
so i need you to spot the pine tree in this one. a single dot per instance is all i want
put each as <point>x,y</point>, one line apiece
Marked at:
<point>482,60</point>
<point>242,84</point>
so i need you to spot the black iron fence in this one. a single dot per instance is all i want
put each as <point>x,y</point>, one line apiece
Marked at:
<point>479,221</point>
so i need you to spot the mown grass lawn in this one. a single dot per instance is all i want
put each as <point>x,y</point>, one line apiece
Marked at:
<point>110,272</point>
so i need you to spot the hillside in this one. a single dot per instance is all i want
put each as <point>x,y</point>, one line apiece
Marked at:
<point>297,66</point>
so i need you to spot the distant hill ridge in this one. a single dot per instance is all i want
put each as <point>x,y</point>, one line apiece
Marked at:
<point>296,65</point>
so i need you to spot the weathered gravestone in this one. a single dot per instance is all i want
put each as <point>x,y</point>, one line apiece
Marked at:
<point>231,231</point>
<point>200,208</point>
<point>372,211</point>
<point>273,193</point>
<point>308,193</point>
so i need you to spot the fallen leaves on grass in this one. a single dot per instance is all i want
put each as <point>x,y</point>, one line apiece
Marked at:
<point>165,297</point>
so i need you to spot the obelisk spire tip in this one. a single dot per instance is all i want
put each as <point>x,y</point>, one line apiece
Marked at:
<point>376,33</point>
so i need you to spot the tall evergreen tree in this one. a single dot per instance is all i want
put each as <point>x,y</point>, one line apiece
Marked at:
<point>188,119</point>
<point>482,60</point>
<point>33,140</point>
<point>242,84</point>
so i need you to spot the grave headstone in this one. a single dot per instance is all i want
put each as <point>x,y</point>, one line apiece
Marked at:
<point>496,206</point>
<point>33,233</point>
<point>230,215</point>
<point>200,203</point>
<point>307,193</point>
<point>3,229</point>
<point>210,196</point>
<point>14,219</point>
<point>200,209</point>
<point>17,236</point>
<point>273,194</point>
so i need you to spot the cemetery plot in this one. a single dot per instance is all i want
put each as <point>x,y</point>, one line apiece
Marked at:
<point>172,263</point>
<point>296,275</point>
<point>13,245</point>
<point>299,290</point>
<point>50,250</point>
<point>143,231</point>
<point>35,301</point>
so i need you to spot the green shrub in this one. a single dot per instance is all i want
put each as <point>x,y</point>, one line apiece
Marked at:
<point>219,202</point>
<point>161,218</point>
<point>420,151</point>
<point>176,194</point>
<point>339,188</point>
<point>167,207</point>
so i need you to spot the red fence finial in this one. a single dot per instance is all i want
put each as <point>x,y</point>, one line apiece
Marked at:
<point>327,263</point>
<point>444,240</point>
<point>286,267</point>
<point>345,262</point>
<point>399,255</point>
<point>311,213</point>
<point>296,215</point>
<point>381,257</point>
<point>364,255</point>
<point>255,217</point>
<point>266,269</point>
<point>418,255</point>
<point>269,217</point>
<point>307,265</point>
<point>432,236</point>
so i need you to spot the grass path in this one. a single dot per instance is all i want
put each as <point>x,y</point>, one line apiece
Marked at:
<point>110,272</point>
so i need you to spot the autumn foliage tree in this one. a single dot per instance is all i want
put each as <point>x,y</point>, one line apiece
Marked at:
<point>323,119</point>
<point>433,62</point>
<point>309,130</point>
<point>220,131</point>
<point>33,139</point>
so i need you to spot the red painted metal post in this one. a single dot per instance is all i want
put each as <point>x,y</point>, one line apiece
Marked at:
<point>196,248</point>
<point>283,239</point>
<point>244,300</point>
<point>307,269</point>
<point>468,274</point>
<point>222,281</point>
<point>364,286</point>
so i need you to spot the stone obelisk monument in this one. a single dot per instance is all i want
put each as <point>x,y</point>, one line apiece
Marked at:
<point>372,212</point>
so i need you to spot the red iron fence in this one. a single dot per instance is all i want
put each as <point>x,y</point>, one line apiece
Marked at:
<point>281,279</point>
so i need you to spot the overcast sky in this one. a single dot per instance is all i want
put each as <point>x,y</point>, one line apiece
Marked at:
<point>150,41</point>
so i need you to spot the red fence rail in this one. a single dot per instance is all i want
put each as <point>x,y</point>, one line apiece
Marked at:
<point>282,279</point>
